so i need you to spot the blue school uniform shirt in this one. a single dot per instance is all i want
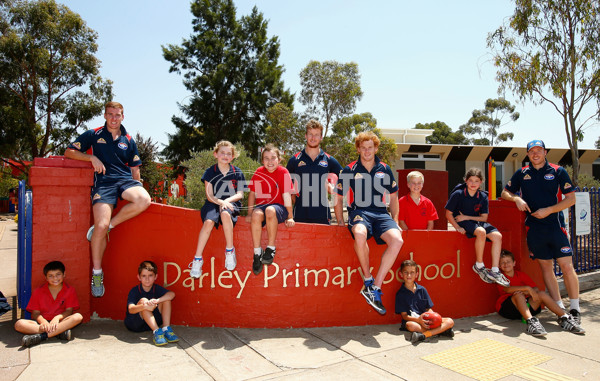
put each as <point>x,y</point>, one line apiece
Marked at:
<point>460,201</point>
<point>225,186</point>
<point>118,156</point>
<point>367,188</point>
<point>541,188</point>
<point>137,293</point>
<point>417,302</point>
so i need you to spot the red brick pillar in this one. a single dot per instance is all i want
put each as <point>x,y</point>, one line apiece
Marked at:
<point>61,217</point>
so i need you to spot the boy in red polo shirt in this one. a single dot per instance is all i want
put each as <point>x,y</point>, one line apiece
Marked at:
<point>51,307</point>
<point>416,211</point>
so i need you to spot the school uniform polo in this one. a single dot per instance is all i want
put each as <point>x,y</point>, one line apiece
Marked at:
<point>269,187</point>
<point>416,216</point>
<point>312,204</point>
<point>412,302</point>
<point>43,301</point>
<point>134,322</point>
<point>224,186</point>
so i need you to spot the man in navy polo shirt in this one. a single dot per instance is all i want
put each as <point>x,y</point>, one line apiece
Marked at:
<point>310,169</point>
<point>541,186</point>
<point>368,181</point>
<point>116,165</point>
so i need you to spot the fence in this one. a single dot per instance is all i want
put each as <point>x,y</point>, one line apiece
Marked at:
<point>586,248</point>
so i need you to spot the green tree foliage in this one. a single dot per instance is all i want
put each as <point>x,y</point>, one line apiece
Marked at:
<point>340,144</point>
<point>330,90</point>
<point>549,51</point>
<point>46,60</point>
<point>598,143</point>
<point>7,181</point>
<point>484,124</point>
<point>152,172</point>
<point>197,165</point>
<point>442,134</point>
<point>230,67</point>
<point>284,129</point>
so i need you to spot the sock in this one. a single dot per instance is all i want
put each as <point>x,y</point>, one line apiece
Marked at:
<point>427,333</point>
<point>479,265</point>
<point>164,329</point>
<point>560,303</point>
<point>565,315</point>
<point>197,258</point>
<point>96,272</point>
<point>495,269</point>
<point>110,226</point>
<point>271,247</point>
<point>369,279</point>
<point>228,249</point>
<point>574,304</point>
<point>257,251</point>
<point>156,330</point>
<point>44,335</point>
<point>376,287</point>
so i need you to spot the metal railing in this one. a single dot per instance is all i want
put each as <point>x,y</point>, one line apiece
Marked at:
<point>24,246</point>
<point>586,248</point>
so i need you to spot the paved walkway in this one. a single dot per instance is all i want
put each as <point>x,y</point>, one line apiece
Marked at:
<point>485,348</point>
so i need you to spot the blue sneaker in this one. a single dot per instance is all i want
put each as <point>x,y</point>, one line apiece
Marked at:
<point>170,335</point>
<point>373,297</point>
<point>159,338</point>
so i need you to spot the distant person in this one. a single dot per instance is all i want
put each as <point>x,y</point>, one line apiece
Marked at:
<point>311,168</point>
<point>370,181</point>
<point>116,165</point>
<point>149,306</point>
<point>467,210</point>
<point>270,204</point>
<point>175,190</point>
<point>224,187</point>
<point>51,307</point>
<point>416,211</point>
<point>522,299</point>
<point>541,186</point>
<point>412,301</point>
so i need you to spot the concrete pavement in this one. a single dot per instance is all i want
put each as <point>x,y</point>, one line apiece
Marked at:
<point>485,348</point>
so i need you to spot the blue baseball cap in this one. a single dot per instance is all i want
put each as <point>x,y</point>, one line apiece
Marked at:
<point>535,143</point>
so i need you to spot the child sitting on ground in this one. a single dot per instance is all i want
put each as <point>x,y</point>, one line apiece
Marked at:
<point>223,183</point>
<point>51,307</point>
<point>467,211</point>
<point>149,306</point>
<point>269,203</point>
<point>522,299</point>
<point>416,211</point>
<point>412,301</point>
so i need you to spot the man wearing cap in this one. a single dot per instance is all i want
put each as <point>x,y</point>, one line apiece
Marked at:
<point>541,186</point>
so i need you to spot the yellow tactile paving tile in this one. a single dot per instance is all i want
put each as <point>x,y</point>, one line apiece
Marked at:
<point>486,360</point>
<point>534,373</point>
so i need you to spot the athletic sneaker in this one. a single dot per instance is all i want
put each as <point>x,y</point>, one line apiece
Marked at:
<point>373,297</point>
<point>568,323</point>
<point>98,285</point>
<point>91,231</point>
<point>170,335</point>
<point>257,266</point>
<point>416,337</point>
<point>535,328</point>
<point>230,260</point>
<point>31,340</point>
<point>268,256</point>
<point>447,333</point>
<point>196,268</point>
<point>483,274</point>
<point>499,278</point>
<point>66,335</point>
<point>159,338</point>
<point>576,315</point>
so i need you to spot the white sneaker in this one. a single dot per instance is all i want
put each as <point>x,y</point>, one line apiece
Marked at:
<point>196,268</point>
<point>230,260</point>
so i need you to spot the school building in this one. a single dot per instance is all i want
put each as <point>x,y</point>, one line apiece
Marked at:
<point>415,153</point>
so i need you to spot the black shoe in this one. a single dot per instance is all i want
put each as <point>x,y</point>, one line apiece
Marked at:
<point>31,340</point>
<point>416,337</point>
<point>576,316</point>
<point>66,335</point>
<point>373,297</point>
<point>257,266</point>
<point>447,333</point>
<point>268,255</point>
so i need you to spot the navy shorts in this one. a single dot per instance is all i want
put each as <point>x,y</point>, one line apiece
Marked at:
<point>212,212</point>
<point>470,227</point>
<point>508,310</point>
<point>376,223</point>
<point>135,323</point>
<point>109,191</point>
<point>280,211</point>
<point>548,242</point>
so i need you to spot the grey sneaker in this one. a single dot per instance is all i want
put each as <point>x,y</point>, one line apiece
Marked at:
<point>568,323</point>
<point>98,285</point>
<point>416,337</point>
<point>31,340</point>
<point>535,328</point>
<point>499,278</point>
<point>90,232</point>
<point>196,268</point>
<point>483,274</point>
<point>230,260</point>
<point>66,335</point>
<point>576,316</point>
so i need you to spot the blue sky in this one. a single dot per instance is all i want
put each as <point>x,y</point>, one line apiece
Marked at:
<point>420,62</point>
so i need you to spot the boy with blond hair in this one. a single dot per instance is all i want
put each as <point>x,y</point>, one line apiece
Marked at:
<point>416,211</point>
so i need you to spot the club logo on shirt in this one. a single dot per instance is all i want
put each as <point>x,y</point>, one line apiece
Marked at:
<point>477,208</point>
<point>97,197</point>
<point>301,163</point>
<point>136,158</point>
<point>122,145</point>
<point>393,184</point>
<point>549,176</point>
<point>509,183</point>
<point>380,175</point>
<point>339,186</point>
<point>567,185</point>
<point>77,145</point>
<point>565,249</point>
<point>358,176</point>
<point>527,177</point>
<point>323,163</point>
<point>357,218</point>
<point>101,141</point>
